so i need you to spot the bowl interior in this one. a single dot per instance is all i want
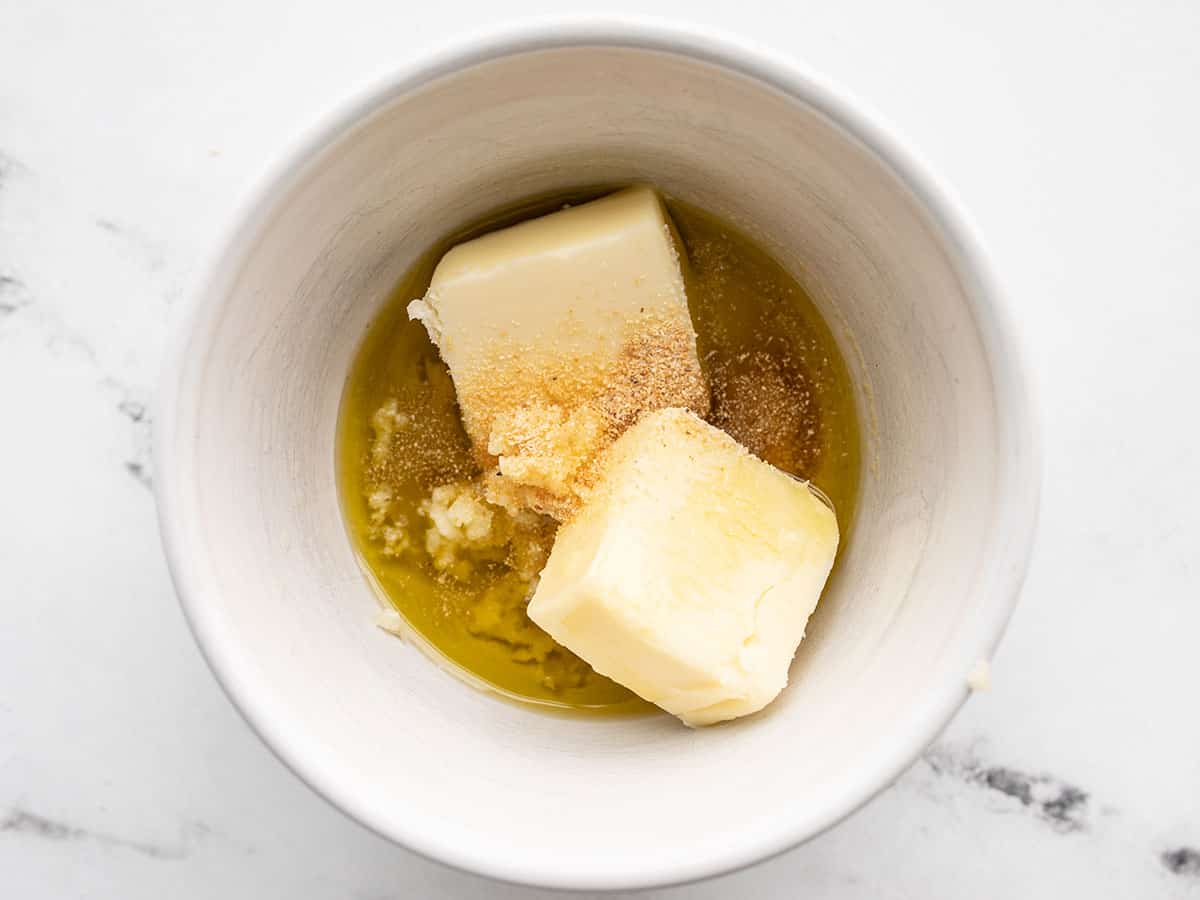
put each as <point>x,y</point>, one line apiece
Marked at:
<point>284,613</point>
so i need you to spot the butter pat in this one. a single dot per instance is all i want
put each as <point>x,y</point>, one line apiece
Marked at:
<point>690,573</point>
<point>559,333</point>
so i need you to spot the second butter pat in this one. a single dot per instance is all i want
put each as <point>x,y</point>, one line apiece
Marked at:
<point>690,573</point>
<point>559,332</point>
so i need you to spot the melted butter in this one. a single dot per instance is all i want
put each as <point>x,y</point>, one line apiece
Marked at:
<point>779,385</point>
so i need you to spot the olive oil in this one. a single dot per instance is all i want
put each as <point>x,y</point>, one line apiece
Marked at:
<point>779,386</point>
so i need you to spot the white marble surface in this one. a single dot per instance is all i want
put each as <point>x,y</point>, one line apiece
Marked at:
<point>127,131</point>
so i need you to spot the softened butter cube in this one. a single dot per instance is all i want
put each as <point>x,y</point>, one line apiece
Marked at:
<point>559,332</point>
<point>690,573</point>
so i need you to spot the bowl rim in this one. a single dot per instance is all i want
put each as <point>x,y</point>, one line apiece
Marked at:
<point>1005,555</point>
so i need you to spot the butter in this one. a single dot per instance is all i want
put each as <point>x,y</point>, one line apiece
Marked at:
<point>691,571</point>
<point>560,332</point>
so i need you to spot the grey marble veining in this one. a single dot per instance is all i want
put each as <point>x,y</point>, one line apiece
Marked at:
<point>1182,861</point>
<point>22,822</point>
<point>1063,806</point>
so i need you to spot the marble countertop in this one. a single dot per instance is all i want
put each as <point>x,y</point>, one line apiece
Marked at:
<point>127,132</point>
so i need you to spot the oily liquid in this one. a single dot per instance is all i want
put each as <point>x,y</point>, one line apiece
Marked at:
<point>779,386</point>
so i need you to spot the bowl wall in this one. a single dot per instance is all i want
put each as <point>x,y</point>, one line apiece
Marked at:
<point>282,610</point>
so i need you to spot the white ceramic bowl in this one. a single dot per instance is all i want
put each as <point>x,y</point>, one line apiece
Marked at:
<point>268,580</point>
